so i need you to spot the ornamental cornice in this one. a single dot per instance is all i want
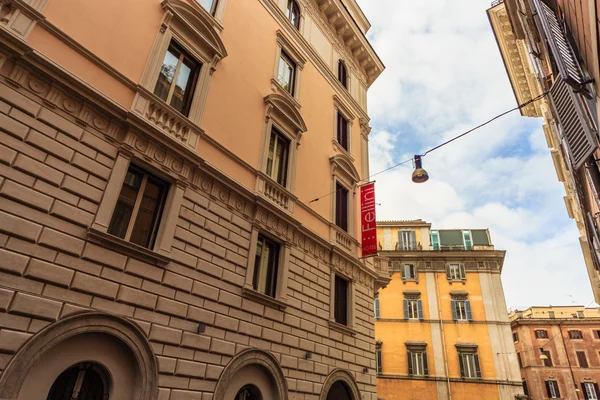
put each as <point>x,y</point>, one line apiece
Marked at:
<point>516,61</point>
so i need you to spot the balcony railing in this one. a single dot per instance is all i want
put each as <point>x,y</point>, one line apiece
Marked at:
<point>443,247</point>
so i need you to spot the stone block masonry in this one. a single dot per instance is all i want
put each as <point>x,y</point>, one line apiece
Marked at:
<point>54,169</point>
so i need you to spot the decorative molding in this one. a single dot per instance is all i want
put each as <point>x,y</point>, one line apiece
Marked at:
<point>252,357</point>
<point>275,193</point>
<point>264,299</point>
<point>494,382</point>
<point>356,271</point>
<point>346,330</point>
<point>287,110</point>
<point>343,164</point>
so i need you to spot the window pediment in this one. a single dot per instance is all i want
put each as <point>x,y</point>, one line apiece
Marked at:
<point>287,110</point>
<point>198,22</point>
<point>342,163</point>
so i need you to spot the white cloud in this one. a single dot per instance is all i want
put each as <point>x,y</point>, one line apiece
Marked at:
<point>445,75</point>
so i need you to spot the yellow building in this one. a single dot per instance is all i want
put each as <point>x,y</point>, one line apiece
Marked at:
<point>441,325</point>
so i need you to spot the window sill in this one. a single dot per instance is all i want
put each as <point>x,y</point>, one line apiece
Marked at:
<point>462,321</point>
<point>410,280</point>
<point>341,148</point>
<point>263,299</point>
<point>127,248</point>
<point>336,326</point>
<point>463,281</point>
<point>276,87</point>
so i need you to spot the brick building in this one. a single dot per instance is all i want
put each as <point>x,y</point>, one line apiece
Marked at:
<point>558,349</point>
<point>157,160</point>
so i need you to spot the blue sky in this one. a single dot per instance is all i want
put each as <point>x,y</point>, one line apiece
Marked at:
<point>444,75</point>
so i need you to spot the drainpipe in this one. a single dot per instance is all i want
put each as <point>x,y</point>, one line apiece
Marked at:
<point>437,290</point>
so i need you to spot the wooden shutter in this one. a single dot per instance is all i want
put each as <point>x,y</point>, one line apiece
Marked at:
<point>548,389</point>
<point>461,364</point>
<point>582,359</point>
<point>597,390</point>
<point>468,308</point>
<point>462,272</point>
<point>557,389</point>
<point>400,240</point>
<point>576,129</point>
<point>379,361</point>
<point>584,390</point>
<point>454,313</point>
<point>477,366</point>
<point>377,307</point>
<point>405,309</point>
<point>448,272</point>
<point>413,240</point>
<point>420,309</point>
<point>409,360</point>
<point>425,365</point>
<point>551,30</point>
<point>403,271</point>
<point>341,301</point>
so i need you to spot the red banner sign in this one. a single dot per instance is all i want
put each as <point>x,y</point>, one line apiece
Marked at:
<point>368,222</point>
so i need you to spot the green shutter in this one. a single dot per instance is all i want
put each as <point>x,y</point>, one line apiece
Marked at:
<point>409,360</point>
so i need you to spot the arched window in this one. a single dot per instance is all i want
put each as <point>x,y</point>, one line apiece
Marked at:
<point>84,381</point>
<point>293,13</point>
<point>248,392</point>
<point>339,391</point>
<point>342,73</point>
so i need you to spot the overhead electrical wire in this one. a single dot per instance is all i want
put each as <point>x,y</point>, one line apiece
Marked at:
<point>442,144</point>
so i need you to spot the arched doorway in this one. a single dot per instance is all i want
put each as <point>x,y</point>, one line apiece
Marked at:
<point>89,354</point>
<point>340,385</point>
<point>339,391</point>
<point>84,381</point>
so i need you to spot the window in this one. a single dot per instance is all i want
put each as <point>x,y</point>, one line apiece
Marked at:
<point>435,240</point>
<point>413,309</point>
<point>520,360</point>
<point>248,392</point>
<point>590,391</point>
<point>286,73</point>
<point>515,337</point>
<point>461,310</point>
<point>378,361</point>
<point>541,334</point>
<point>277,159</point>
<point>552,389</point>
<point>293,13</point>
<point>596,334</point>
<point>582,359</point>
<point>209,5</point>
<point>417,363</point>
<point>81,381</point>
<point>551,315</point>
<point>409,272</point>
<point>377,307</point>
<point>342,131</point>
<point>139,206</point>
<point>580,314</point>
<point>343,73</point>
<point>341,300</point>
<point>467,240</point>
<point>266,262</point>
<point>341,206</point>
<point>575,334</point>
<point>407,240</point>
<point>456,272</point>
<point>548,359</point>
<point>525,388</point>
<point>469,365</point>
<point>177,79</point>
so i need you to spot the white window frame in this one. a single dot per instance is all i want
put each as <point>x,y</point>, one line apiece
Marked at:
<point>461,310</point>
<point>378,361</point>
<point>470,240</point>
<point>469,365</point>
<point>286,46</point>
<point>405,246</point>
<point>457,272</point>
<point>377,308</point>
<point>590,390</point>
<point>408,267</point>
<point>416,360</point>
<point>340,108</point>
<point>553,386</point>
<point>413,309</point>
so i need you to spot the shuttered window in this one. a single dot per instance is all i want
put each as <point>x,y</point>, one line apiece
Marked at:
<point>541,334</point>
<point>582,359</point>
<point>341,301</point>
<point>552,389</point>
<point>407,240</point>
<point>548,360</point>
<point>341,206</point>
<point>469,365</point>
<point>590,391</point>
<point>456,272</point>
<point>377,307</point>
<point>520,359</point>
<point>378,361</point>
<point>417,363</point>
<point>575,334</point>
<point>413,309</point>
<point>461,310</point>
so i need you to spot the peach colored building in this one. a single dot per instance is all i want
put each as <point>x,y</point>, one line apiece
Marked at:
<point>157,165</point>
<point>569,339</point>
<point>441,324</point>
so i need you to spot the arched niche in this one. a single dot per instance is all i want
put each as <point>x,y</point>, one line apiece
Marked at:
<point>341,384</point>
<point>118,345</point>
<point>256,367</point>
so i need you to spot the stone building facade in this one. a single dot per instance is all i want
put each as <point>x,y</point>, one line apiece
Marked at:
<point>157,162</point>
<point>569,339</point>
<point>441,324</point>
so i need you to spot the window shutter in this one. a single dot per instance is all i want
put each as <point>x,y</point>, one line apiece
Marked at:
<point>557,389</point>
<point>405,309</point>
<point>409,359</point>
<point>561,50</point>
<point>403,272</point>
<point>377,307</point>
<point>448,271</point>
<point>597,390</point>
<point>420,309</point>
<point>576,128</point>
<point>413,240</point>
<point>453,305</point>
<point>461,364</point>
<point>584,390</point>
<point>477,365</point>
<point>548,389</point>
<point>401,240</point>
<point>468,308</point>
<point>463,274</point>
<point>425,366</point>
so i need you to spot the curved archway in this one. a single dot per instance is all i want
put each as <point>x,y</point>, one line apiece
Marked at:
<point>340,385</point>
<point>117,344</point>
<point>253,366</point>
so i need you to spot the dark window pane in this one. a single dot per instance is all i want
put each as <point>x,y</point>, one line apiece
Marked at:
<point>146,222</point>
<point>266,266</point>
<point>342,131</point>
<point>248,392</point>
<point>277,158</point>
<point>167,72</point>
<point>293,13</point>
<point>341,301</point>
<point>341,207</point>
<point>122,214</point>
<point>92,385</point>
<point>342,74</point>
<point>286,72</point>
